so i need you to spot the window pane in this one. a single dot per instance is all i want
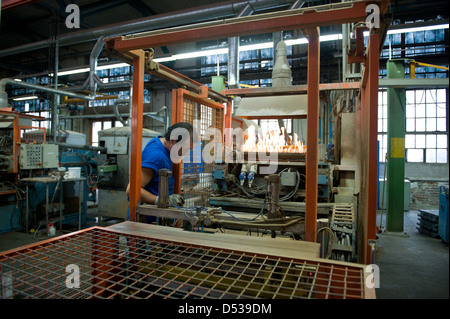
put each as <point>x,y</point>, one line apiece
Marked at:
<point>410,141</point>
<point>410,111</point>
<point>431,141</point>
<point>431,124</point>
<point>431,110</point>
<point>380,125</point>
<point>382,154</point>
<point>410,125</point>
<point>430,96</point>
<point>420,94</point>
<point>420,110</point>
<point>441,96</point>
<point>420,141</point>
<point>107,124</point>
<point>431,156</point>
<point>441,156</point>
<point>380,99</point>
<point>440,110</point>
<point>415,155</point>
<point>420,125</point>
<point>441,125</point>
<point>410,97</point>
<point>96,127</point>
<point>442,141</point>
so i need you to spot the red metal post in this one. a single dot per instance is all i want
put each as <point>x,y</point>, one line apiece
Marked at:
<point>136,131</point>
<point>313,133</point>
<point>229,126</point>
<point>177,117</point>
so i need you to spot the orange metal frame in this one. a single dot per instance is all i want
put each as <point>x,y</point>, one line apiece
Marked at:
<point>178,97</point>
<point>16,133</point>
<point>309,20</point>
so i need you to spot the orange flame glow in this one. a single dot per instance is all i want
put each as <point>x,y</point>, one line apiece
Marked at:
<point>273,141</point>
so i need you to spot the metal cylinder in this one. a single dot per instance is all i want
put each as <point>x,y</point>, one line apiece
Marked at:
<point>163,188</point>
<point>273,182</point>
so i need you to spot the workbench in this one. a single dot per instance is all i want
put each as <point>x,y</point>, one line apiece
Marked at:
<point>47,180</point>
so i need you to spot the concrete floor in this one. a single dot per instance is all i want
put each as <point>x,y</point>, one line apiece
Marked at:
<point>414,266</point>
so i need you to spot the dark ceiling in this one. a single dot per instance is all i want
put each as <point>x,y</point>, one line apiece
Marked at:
<point>34,21</point>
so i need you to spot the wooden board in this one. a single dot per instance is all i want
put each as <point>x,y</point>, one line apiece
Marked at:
<point>283,247</point>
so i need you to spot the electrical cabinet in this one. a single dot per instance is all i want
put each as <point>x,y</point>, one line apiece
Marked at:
<point>38,156</point>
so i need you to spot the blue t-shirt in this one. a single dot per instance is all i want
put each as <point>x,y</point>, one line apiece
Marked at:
<point>156,156</point>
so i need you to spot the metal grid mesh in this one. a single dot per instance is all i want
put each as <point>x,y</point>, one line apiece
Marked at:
<point>114,265</point>
<point>196,174</point>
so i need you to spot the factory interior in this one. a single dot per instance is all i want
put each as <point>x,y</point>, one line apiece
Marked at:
<point>318,162</point>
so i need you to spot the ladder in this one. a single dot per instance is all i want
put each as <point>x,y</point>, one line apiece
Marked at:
<point>343,225</point>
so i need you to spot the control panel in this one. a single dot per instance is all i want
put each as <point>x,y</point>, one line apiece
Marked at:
<point>38,156</point>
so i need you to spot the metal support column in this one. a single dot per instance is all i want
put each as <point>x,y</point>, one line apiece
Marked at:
<point>396,101</point>
<point>312,136</point>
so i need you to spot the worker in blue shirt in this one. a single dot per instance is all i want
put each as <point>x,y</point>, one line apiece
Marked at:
<point>157,155</point>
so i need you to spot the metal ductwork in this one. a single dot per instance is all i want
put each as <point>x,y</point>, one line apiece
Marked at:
<point>182,17</point>
<point>39,88</point>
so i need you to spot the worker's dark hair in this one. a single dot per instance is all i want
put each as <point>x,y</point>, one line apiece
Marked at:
<point>184,125</point>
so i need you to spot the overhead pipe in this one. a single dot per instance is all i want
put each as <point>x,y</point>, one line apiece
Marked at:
<point>102,116</point>
<point>116,111</point>
<point>93,63</point>
<point>6,81</point>
<point>233,52</point>
<point>167,20</point>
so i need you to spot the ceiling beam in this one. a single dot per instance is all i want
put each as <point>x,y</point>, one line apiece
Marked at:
<point>10,4</point>
<point>325,15</point>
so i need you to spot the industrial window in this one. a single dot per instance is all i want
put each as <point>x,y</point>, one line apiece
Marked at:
<point>426,138</point>
<point>97,126</point>
<point>424,43</point>
<point>210,64</point>
<point>413,44</point>
<point>426,126</point>
<point>382,124</point>
<point>392,46</point>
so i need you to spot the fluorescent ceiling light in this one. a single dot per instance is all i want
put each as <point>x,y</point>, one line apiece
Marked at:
<point>26,98</point>
<point>84,70</point>
<point>414,29</point>
<point>430,27</point>
<point>258,46</point>
<point>112,66</point>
